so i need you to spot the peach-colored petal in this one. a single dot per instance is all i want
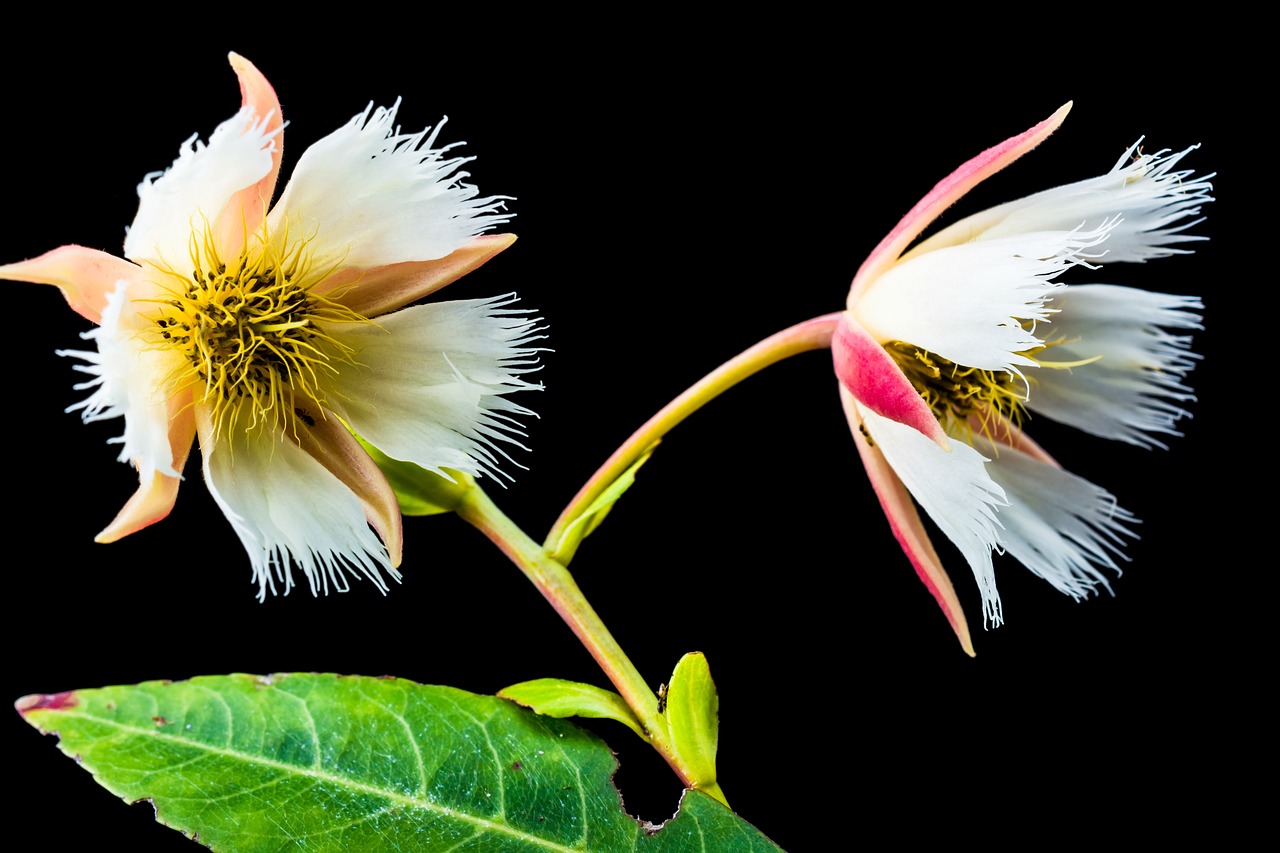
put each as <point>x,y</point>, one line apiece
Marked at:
<point>257,93</point>
<point>868,372</point>
<point>330,443</point>
<point>154,500</point>
<point>85,276</point>
<point>381,290</point>
<point>947,192</point>
<point>907,526</point>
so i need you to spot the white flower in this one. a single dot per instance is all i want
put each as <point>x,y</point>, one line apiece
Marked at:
<point>944,349</point>
<point>275,333</point>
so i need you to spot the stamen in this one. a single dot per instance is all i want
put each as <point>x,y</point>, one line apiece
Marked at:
<point>964,397</point>
<point>251,333</point>
<point>955,394</point>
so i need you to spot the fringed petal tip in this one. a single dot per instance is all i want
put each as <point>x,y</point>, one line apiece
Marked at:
<point>373,196</point>
<point>1062,527</point>
<point>431,382</point>
<point>290,511</point>
<point>1158,204</point>
<point>1133,387</point>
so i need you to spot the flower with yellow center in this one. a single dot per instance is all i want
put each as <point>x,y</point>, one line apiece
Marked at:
<point>275,333</point>
<point>944,347</point>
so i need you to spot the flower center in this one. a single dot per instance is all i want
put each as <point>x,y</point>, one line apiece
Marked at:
<point>251,335</point>
<point>954,393</point>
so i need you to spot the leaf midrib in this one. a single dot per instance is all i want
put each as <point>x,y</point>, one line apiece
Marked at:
<point>325,777</point>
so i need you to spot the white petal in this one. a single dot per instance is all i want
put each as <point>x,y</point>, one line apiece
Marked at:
<point>1060,526</point>
<point>970,303</point>
<point>193,193</point>
<point>129,380</point>
<point>428,381</point>
<point>1135,388</point>
<point>954,489</point>
<point>367,196</point>
<point>288,509</point>
<point>1154,204</point>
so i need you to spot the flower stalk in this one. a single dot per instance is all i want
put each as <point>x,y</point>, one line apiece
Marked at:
<point>559,588</point>
<point>803,337</point>
<point>553,579</point>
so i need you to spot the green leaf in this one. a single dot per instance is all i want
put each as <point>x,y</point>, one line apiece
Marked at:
<point>419,491</point>
<point>586,523</point>
<point>335,763</point>
<point>693,714</point>
<point>555,697</point>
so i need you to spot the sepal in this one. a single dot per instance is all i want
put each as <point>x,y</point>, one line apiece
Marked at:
<point>419,491</point>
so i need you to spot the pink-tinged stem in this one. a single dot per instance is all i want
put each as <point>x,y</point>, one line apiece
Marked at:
<point>558,587</point>
<point>802,337</point>
<point>553,579</point>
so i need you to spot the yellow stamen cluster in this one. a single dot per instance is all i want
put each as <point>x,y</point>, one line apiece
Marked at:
<point>957,394</point>
<point>249,331</point>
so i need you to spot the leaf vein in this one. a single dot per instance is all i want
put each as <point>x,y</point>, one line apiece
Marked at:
<point>320,775</point>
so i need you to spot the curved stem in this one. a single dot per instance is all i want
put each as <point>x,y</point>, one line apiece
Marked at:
<point>558,587</point>
<point>553,579</point>
<point>802,337</point>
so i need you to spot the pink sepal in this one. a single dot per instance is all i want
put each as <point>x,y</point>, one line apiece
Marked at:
<point>1001,430</point>
<point>867,370</point>
<point>907,526</point>
<point>946,193</point>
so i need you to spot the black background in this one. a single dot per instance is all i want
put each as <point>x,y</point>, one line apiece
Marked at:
<point>680,195</point>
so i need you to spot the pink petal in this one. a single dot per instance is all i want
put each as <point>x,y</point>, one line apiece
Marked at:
<point>257,93</point>
<point>868,372</point>
<point>381,290</point>
<point>334,447</point>
<point>154,500</point>
<point>907,527</point>
<point>1001,430</point>
<point>85,276</point>
<point>947,192</point>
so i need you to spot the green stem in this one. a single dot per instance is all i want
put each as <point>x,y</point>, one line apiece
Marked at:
<point>553,579</point>
<point>557,585</point>
<point>802,337</point>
